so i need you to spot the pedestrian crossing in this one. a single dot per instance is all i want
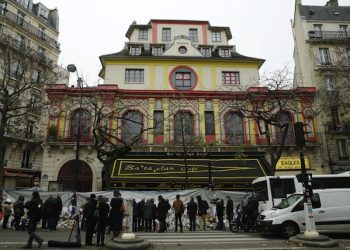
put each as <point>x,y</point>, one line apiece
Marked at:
<point>210,236</point>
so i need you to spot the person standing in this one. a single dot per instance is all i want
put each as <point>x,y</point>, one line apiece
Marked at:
<point>220,214</point>
<point>192,212</point>
<point>18,210</point>
<point>102,220</point>
<point>148,215</point>
<point>135,215</point>
<point>154,216</point>
<point>161,213</point>
<point>179,210</point>
<point>140,207</point>
<point>6,211</point>
<point>34,214</point>
<point>116,214</point>
<point>202,212</point>
<point>90,217</point>
<point>57,213</point>
<point>229,209</point>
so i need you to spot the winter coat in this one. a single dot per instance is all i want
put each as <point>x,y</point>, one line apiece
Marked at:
<point>34,209</point>
<point>18,208</point>
<point>202,206</point>
<point>192,208</point>
<point>178,206</point>
<point>162,209</point>
<point>220,208</point>
<point>89,209</point>
<point>148,211</point>
<point>7,209</point>
<point>140,207</point>
<point>229,207</point>
<point>103,213</point>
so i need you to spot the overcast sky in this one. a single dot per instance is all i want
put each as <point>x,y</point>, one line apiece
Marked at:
<point>91,28</point>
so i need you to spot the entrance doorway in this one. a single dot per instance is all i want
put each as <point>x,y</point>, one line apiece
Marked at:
<point>66,177</point>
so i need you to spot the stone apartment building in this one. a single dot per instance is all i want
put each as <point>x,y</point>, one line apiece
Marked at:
<point>171,71</point>
<point>27,26</point>
<point>322,56</point>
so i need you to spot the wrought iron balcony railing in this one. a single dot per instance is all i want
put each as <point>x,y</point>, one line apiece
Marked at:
<point>329,35</point>
<point>19,21</point>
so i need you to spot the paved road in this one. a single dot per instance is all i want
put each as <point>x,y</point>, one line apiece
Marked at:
<point>10,239</point>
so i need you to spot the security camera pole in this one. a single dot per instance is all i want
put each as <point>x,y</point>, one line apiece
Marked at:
<point>305,178</point>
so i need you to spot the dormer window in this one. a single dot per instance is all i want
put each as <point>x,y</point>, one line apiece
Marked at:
<point>166,34</point>
<point>225,52</point>
<point>206,52</point>
<point>193,34</point>
<point>157,51</point>
<point>143,34</point>
<point>216,36</point>
<point>43,13</point>
<point>135,51</point>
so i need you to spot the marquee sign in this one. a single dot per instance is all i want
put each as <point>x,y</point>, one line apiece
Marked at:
<point>168,170</point>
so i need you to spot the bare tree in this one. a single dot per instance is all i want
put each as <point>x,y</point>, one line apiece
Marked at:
<point>23,74</point>
<point>269,106</point>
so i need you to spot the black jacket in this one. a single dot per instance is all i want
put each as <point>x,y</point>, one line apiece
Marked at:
<point>34,209</point>
<point>192,208</point>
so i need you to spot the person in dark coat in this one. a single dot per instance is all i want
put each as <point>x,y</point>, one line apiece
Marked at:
<point>251,211</point>
<point>34,214</point>
<point>220,214</point>
<point>102,220</point>
<point>57,212</point>
<point>192,212</point>
<point>48,221</point>
<point>202,211</point>
<point>135,215</point>
<point>229,209</point>
<point>148,215</point>
<point>116,214</point>
<point>90,218</point>
<point>154,217</point>
<point>140,206</point>
<point>162,210</point>
<point>18,210</point>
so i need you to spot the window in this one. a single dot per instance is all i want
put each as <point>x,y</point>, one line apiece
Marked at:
<point>182,50</point>
<point>193,34</point>
<point>182,79</point>
<point>16,70</point>
<point>24,3</point>
<point>209,123</point>
<point>280,188</point>
<point>216,36</point>
<point>342,149</point>
<point>343,30</point>
<point>206,52</point>
<point>318,30</point>
<point>329,83</point>
<point>135,51</point>
<point>20,18</point>
<point>133,124</point>
<point>325,56</point>
<point>43,12</point>
<point>157,51</point>
<point>34,101</point>
<point>230,77</point>
<point>208,105</point>
<point>20,41</point>
<point>26,159</point>
<point>285,118</point>
<point>335,118</point>
<point>225,53</point>
<point>36,76</point>
<point>30,130</point>
<point>81,123</point>
<point>234,128</point>
<point>166,34</point>
<point>159,104</point>
<point>134,75</point>
<point>143,34</point>
<point>42,32</point>
<point>2,8</point>
<point>183,127</point>
<point>159,122</point>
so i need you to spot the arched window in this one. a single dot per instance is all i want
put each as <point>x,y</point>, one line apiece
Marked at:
<point>133,124</point>
<point>183,127</point>
<point>81,118</point>
<point>234,128</point>
<point>284,117</point>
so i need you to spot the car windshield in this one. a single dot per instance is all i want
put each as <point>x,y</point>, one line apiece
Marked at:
<point>289,201</point>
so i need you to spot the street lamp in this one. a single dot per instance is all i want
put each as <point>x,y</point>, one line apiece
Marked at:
<point>72,68</point>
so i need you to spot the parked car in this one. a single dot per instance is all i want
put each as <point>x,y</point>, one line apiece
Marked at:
<point>331,210</point>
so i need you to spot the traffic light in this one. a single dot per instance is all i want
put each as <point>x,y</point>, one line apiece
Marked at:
<point>299,134</point>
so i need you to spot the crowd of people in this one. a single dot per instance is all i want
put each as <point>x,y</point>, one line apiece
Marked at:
<point>100,216</point>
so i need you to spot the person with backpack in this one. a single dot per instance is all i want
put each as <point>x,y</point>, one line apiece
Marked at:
<point>179,210</point>
<point>18,210</point>
<point>192,209</point>
<point>202,212</point>
<point>34,214</point>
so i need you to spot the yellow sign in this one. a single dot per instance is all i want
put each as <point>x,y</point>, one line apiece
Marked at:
<point>291,163</point>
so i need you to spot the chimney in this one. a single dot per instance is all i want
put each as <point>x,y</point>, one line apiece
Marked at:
<point>332,3</point>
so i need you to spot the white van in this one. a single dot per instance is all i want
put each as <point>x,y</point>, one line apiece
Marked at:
<point>331,210</point>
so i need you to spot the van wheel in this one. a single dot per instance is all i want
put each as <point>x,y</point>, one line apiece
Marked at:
<point>289,229</point>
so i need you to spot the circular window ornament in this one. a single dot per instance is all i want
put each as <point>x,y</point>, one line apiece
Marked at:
<point>308,112</point>
<point>106,110</point>
<point>183,78</point>
<point>54,111</point>
<point>182,50</point>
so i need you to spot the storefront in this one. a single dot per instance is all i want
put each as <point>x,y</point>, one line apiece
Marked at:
<point>147,171</point>
<point>20,178</point>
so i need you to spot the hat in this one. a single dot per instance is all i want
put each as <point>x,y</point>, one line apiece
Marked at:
<point>92,196</point>
<point>8,200</point>
<point>116,192</point>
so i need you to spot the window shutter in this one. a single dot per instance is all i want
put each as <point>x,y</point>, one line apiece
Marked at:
<point>317,56</point>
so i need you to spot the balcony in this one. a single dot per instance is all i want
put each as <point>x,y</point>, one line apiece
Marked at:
<point>21,23</point>
<point>329,36</point>
<point>340,128</point>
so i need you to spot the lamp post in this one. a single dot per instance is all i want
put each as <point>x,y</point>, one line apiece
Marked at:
<point>71,68</point>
